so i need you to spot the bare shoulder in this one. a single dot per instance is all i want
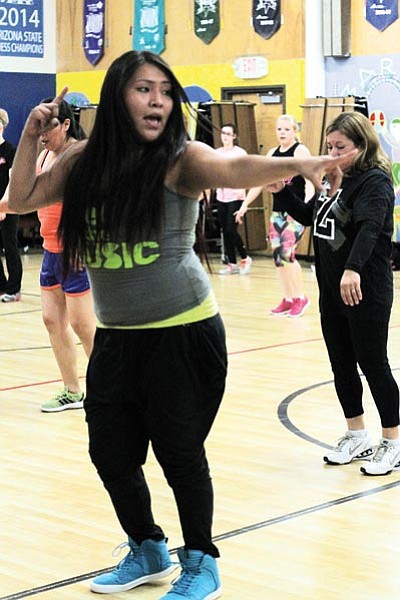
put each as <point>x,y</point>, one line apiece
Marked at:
<point>302,150</point>
<point>197,151</point>
<point>189,175</point>
<point>194,154</point>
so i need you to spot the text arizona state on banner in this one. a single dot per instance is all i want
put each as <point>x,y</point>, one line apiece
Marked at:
<point>206,19</point>
<point>266,17</point>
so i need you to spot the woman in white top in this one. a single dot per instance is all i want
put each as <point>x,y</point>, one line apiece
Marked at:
<point>229,201</point>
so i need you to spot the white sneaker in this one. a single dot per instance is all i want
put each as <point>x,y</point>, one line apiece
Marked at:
<point>11,297</point>
<point>245,265</point>
<point>230,269</point>
<point>386,457</point>
<point>349,447</point>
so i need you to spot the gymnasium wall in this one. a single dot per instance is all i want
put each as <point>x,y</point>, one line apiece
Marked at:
<point>194,62</point>
<point>209,66</point>
<point>24,81</point>
<point>373,71</point>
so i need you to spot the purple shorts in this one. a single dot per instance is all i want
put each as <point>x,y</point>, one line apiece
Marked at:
<point>51,276</point>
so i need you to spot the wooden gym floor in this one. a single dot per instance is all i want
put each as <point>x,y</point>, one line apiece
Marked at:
<point>287,526</point>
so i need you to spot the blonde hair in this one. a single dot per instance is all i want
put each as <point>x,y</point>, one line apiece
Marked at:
<point>292,120</point>
<point>4,117</point>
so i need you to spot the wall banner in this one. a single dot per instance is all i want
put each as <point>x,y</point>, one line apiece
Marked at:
<point>381,13</point>
<point>266,17</point>
<point>206,19</point>
<point>21,28</point>
<point>149,25</point>
<point>93,29</point>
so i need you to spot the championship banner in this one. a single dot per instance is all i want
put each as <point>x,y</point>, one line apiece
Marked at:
<point>149,25</point>
<point>381,13</point>
<point>206,19</point>
<point>93,28</point>
<point>21,29</point>
<point>266,17</point>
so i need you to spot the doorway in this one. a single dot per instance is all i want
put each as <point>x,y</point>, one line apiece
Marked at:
<point>269,104</point>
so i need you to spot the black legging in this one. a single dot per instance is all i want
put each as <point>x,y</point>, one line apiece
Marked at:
<point>8,236</point>
<point>232,240</point>
<point>350,342</point>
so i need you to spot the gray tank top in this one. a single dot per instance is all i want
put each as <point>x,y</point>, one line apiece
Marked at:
<point>152,280</point>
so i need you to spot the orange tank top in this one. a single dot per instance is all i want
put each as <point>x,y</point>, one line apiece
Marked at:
<point>49,217</point>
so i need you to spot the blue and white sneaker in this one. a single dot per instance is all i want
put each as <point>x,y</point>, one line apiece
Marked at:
<point>199,579</point>
<point>148,562</point>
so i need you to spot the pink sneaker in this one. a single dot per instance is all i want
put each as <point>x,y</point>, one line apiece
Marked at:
<point>230,269</point>
<point>299,306</point>
<point>245,265</point>
<point>282,309</point>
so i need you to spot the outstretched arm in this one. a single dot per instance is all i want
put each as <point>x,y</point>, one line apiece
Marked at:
<point>4,208</point>
<point>251,195</point>
<point>301,211</point>
<point>28,190</point>
<point>202,167</point>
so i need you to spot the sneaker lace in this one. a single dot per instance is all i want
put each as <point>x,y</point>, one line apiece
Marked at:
<point>58,396</point>
<point>66,395</point>
<point>283,305</point>
<point>183,583</point>
<point>130,558</point>
<point>381,451</point>
<point>117,550</point>
<point>342,442</point>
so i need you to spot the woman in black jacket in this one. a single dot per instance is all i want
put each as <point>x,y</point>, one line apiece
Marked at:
<point>352,241</point>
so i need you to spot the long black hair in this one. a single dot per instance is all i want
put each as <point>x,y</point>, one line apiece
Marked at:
<point>65,111</point>
<point>116,185</point>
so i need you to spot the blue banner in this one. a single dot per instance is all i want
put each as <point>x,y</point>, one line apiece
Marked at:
<point>149,25</point>
<point>93,29</point>
<point>21,28</point>
<point>381,13</point>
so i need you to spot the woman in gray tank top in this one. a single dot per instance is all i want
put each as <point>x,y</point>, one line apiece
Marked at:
<point>158,367</point>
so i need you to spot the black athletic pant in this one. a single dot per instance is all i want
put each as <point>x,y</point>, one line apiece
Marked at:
<point>8,241</point>
<point>350,342</point>
<point>232,241</point>
<point>162,386</point>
